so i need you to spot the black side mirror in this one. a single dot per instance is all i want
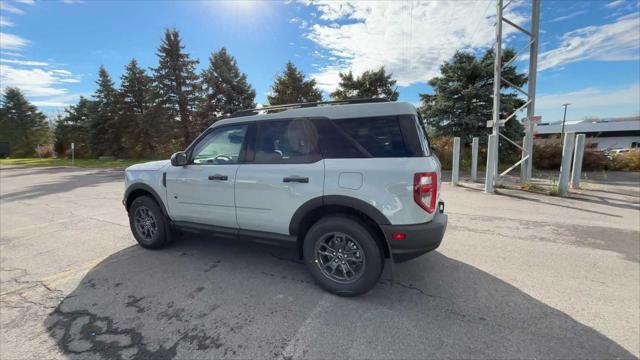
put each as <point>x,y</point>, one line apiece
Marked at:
<point>179,159</point>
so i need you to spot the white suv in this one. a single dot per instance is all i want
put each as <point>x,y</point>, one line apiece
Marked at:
<point>346,183</point>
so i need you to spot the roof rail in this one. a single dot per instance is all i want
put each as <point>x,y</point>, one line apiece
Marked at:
<point>249,112</point>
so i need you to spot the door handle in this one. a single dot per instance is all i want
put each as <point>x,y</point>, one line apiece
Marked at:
<point>218,177</point>
<point>294,178</point>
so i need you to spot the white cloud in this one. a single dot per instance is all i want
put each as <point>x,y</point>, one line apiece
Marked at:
<point>11,53</point>
<point>60,101</point>
<point>590,98</point>
<point>8,7</point>
<point>24,62</point>
<point>72,1</point>
<point>570,16</point>
<point>616,41</point>
<point>5,22</point>
<point>12,42</point>
<point>28,2</point>
<point>411,39</point>
<point>36,82</point>
<point>614,4</point>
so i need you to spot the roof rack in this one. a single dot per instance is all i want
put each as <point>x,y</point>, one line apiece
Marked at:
<point>249,112</point>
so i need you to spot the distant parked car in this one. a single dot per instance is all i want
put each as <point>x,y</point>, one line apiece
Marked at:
<point>347,184</point>
<point>614,152</point>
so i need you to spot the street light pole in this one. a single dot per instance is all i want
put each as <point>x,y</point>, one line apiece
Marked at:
<point>564,118</point>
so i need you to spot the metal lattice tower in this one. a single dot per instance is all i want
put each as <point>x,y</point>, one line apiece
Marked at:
<point>530,93</point>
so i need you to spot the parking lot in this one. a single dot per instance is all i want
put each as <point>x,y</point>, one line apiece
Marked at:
<point>519,275</point>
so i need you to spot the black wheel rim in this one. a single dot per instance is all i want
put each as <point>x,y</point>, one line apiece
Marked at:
<point>340,257</point>
<point>145,223</point>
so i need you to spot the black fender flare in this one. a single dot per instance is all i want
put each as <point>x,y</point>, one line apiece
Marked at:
<point>149,189</point>
<point>327,200</point>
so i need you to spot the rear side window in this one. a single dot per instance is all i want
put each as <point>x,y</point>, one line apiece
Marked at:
<point>286,141</point>
<point>385,136</point>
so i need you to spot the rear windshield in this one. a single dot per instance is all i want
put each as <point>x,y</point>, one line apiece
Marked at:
<point>384,136</point>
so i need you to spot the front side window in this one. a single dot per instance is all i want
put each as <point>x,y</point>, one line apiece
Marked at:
<point>286,141</point>
<point>221,146</point>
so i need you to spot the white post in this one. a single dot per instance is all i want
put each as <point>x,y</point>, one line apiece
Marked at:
<point>474,159</point>
<point>567,152</point>
<point>523,165</point>
<point>491,163</point>
<point>578,154</point>
<point>73,154</point>
<point>455,166</point>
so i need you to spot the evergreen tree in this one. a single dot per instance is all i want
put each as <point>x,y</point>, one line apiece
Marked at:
<point>74,128</point>
<point>290,87</point>
<point>105,131</point>
<point>176,86</point>
<point>463,97</point>
<point>21,124</point>
<point>371,84</point>
<point>135,103</point>
<point>226,88</point>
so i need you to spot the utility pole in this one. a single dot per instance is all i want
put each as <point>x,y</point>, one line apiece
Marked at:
<point>531,91</point>
<point>492,150</point>
<point>532,46</point>
<point>564,118</point>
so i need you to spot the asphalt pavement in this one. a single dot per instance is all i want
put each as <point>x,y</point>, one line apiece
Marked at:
<point>519,275</point>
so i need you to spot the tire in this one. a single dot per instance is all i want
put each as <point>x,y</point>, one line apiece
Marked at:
<point>351,246</point>
<point>148,224</point>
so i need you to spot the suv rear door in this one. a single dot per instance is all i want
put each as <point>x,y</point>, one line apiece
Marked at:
<point>284,169</point>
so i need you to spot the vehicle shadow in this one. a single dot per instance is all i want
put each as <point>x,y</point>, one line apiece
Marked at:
<point>63,180</point>
<point>220,298</point>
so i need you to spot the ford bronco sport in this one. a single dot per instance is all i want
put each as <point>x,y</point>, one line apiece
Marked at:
<point>346,183</point>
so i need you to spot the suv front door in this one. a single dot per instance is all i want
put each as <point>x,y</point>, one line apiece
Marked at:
<point>284,169</point>
<point>203,191</point>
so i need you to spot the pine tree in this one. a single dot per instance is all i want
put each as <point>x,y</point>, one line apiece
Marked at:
<point>226,88</point>
<point>290,87</point>
<point>176,85</point>
<point>371,84</point>
<point>463,97</point>
<point>21,124</point>
<point>135,103</point>
<point>105,132</point>
<point>74,128</point>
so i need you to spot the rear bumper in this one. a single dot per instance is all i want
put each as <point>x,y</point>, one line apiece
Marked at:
<point>420,238</point>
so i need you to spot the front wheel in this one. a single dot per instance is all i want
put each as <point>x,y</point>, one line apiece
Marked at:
<point>343,256</point>
<point>147,223</point>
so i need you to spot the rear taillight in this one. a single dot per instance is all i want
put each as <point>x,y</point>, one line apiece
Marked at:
<point>425,190</point>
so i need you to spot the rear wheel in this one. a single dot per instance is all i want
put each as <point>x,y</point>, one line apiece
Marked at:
<point>147,223</point>
<point>343,256</point>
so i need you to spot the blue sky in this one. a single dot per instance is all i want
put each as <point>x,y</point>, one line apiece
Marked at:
<point>589,50</point>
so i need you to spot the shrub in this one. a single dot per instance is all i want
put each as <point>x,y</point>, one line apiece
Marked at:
<point>629,161</point>
<point>549,157</point>
<point>44,151</point>
<point>594,160</point>
<point>443,147</point>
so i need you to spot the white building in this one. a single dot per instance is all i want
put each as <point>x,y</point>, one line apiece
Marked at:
<point>602,134</point>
